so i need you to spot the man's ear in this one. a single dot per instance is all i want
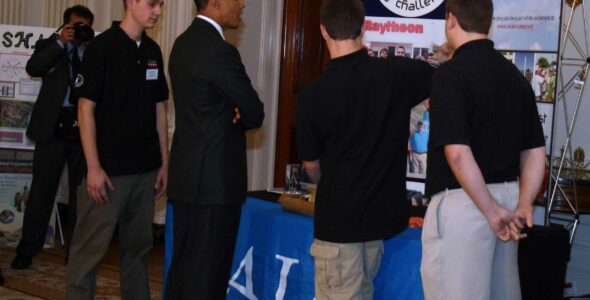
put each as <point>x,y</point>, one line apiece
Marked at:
<point>131,3</point>
<point>451,22</point>
<point>362,35</point>
<point>324,32</point>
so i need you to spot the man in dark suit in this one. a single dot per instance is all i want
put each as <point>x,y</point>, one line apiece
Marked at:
<point>215,105</point>
<point>55,60</point>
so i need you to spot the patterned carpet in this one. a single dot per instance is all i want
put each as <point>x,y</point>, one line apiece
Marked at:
<point>46,279</point>
<point>9,294</point>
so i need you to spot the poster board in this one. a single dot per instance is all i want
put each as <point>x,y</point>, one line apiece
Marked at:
<point>18,92</point>
<point>527,32</point>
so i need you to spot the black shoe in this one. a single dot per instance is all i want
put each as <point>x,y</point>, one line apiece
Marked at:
<point>1,278</point>
<point>21,262</point>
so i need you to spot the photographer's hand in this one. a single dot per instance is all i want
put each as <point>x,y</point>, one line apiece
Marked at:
<point>67,34</point>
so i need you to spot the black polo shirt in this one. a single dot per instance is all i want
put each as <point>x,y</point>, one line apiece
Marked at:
<point>126,81</point>
<point>480,99</point>
<point>354,118</point>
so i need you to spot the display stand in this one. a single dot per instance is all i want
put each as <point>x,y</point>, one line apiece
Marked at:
<point>566,166</point>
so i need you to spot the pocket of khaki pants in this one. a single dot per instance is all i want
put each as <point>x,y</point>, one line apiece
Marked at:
<point>431,229</point>
<point>327,265</point>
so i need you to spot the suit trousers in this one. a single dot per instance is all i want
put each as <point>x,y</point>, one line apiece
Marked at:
<point>131,204</point>
<point>204,242</point>
<point>462,258</point>
<point>345,270</point>
<point>48,162</point>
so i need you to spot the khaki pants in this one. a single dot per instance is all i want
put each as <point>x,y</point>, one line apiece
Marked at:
<point>420,162</point>
<point>345,270</point>
<point>461,256</point>
<point>131,204</point>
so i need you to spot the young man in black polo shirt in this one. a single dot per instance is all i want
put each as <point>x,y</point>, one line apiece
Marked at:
<point>352,131</point>
<point>486,160</point>
<point>122,118</point>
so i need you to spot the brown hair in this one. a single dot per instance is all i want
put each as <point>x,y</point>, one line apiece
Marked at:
<point>343,19</point>
<point>472,15</point>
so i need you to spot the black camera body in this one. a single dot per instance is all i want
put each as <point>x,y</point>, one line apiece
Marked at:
<point>82,32</point>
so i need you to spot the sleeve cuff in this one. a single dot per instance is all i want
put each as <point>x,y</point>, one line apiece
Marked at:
<point>450,141</point>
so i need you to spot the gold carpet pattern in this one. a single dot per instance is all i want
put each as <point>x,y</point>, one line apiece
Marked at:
<point>46,279</point>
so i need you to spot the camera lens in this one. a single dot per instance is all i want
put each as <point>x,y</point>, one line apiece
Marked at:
<point>83,32</point>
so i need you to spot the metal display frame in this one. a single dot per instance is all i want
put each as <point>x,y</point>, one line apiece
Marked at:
<point>559,167</point>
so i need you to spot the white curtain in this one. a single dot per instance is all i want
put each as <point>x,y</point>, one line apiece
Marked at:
<point>12,12</point>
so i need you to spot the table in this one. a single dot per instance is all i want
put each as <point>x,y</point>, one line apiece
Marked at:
<point>272,260</point>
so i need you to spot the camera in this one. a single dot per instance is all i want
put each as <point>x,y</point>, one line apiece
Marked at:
<point>82,32</point>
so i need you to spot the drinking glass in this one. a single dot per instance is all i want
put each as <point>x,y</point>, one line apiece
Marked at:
<point>293,178</point>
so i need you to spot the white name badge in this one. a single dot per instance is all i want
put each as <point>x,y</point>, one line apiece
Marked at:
<point>151,74</point>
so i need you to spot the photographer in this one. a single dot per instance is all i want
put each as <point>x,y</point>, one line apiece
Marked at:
<point>53,127</point>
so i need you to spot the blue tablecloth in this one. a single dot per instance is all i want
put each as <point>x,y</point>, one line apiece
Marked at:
<point>272,261</point>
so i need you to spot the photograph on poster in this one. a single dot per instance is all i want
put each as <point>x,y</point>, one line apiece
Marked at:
<point>540,69</point>
<point>416,194</point>
<point>15,114</point>
<point>7,89</point>
<point>418,202</point>
<point>418,140</point>
<point>384,50</point>
<point>546,68</point>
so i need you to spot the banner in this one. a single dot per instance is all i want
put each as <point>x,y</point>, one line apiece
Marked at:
<point>525,31</point>
<point>413,29</point>
<point>16,176</point>
<point>18,91</point>
<point>272,260</point>
<point>540,69</point>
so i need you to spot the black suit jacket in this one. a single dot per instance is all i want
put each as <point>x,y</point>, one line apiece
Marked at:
<point>208,155</point>
<point>49,61</point>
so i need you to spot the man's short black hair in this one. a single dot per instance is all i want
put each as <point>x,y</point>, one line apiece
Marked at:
<point>473,15</point>
<point>201,4</point>
<point>343,19</point>
<point>80,11</point>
